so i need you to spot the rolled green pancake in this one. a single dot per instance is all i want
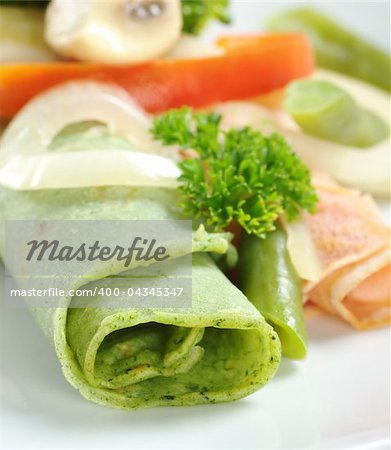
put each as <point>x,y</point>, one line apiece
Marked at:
<point>218,350</point>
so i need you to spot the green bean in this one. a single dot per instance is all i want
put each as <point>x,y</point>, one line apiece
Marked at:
<point>324,110</point>
<point>337,48</point>
<point>268,278</point>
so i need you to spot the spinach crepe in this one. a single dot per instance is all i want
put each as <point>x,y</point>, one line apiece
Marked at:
<point>220,349</point>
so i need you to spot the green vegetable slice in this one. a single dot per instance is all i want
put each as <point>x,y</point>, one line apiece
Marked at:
<point>269,280</point>
<point>220,349</point>
<point>325,110</point>
<point>337,48</point>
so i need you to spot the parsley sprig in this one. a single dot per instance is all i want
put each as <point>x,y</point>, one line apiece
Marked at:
<point>240,174</point>
<point>197,13</point>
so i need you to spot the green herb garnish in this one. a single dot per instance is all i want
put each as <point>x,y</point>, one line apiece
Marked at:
<point>197,13</point>
<point>240,174</point>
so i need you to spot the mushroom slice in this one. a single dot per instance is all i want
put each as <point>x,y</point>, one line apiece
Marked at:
<point>115,31</point>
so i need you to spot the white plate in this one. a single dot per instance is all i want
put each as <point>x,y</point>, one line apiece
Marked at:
<point>337,398</point>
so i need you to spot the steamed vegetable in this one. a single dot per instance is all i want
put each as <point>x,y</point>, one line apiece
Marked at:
<point>371,167</point>
<point>337,48</point>
<point>325,110</point>
<point>301,250</point>
<point>113,32</point>
<point>264,64</point>
<point>197,13</point>
<point>269,280</point>
<point>239,175</point>
<point>81,134</point>
<point>367,170</point>
<point>84,135</point>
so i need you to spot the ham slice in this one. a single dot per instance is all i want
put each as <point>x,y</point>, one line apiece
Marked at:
<point>353,247</point>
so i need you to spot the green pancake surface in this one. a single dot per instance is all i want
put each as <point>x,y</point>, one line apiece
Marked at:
<point>219,349</point>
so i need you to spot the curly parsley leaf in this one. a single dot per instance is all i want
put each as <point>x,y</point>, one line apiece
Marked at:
<point>197,13</point>
<point>239,175</point>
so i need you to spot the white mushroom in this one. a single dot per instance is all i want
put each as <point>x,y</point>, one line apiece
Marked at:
<point>114,31</point>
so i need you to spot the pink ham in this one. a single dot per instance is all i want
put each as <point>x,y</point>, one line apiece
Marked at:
<point>353,246</point>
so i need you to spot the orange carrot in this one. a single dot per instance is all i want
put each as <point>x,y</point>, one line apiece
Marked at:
<point>250,66</point>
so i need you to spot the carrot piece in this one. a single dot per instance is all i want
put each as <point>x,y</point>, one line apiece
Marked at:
<point>250,66</point>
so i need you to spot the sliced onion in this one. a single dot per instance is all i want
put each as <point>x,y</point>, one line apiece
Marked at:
<point>26,162</point>
<point>109,168</point>
<point>302,251</point>
<point>366,169</point>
